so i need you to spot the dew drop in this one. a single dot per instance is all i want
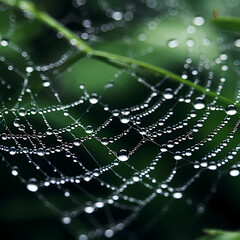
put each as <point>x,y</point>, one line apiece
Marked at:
<point>41,152</point>
<point>32,185</point>
<point>231,110</point>
<point>29,69</point>
<point>104,141</point>
<point>173,43</point>
<point>177,156</point>
<point>99,204</point>
<point>117,16</point>
<point>22,112</point>
<point>89,129</point>
<point>234,172</point>
<point>66,220</point>
<point>14,171</point>
<point>237,43</point>
<point>199,103</point>
<point>4,42</point>
<point>198,21</point>
<point>93,98</point>
<point>124,119</point>
<point>16,122</point>
<point>12,151</point>
<point>177,195</point>
<point>123,155</point>
<point>168,93</point>
<point>109,233</point>
<point>89,209</point>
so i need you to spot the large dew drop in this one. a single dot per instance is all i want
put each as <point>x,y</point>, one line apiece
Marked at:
<point>32,185</point>
<point>234,172</point>
<point>199,103</point>
<point>168,93</point>
<point>173,43</point>
<point>93,98</point>
<point>123,155</point>
<point>177,195</point>
<point>231,110</point>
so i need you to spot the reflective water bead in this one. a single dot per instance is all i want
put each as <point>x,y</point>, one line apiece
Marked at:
<point>4,42</point>
<point>32,185</point>
<point>22,112</point>
<point>234,172</point>
<point>173,43</point>
<point>29,69</point>
<point>93,98</point>
<point>177,195</point>
<point>231,110</point>
<point>14,171</point>
<point>16,122</point>
<point>41,152</point>
<point>66,220</point>
<point>168,93</point>
<point>124,119</point>
<point>104,141</point>
<point>109,233</point>
<point>12,151</point>
<point>89,209</point>
<point>198,21</point>
<point>199,103</point>
<point>89,129</point>
<point>123,155</point>
<point>237,43</point>
<point>178,156</point>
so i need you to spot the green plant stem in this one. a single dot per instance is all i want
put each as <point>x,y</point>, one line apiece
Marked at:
<point>85,48</point>
<point>228,23</point>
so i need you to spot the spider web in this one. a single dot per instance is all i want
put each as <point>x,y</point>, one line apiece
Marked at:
<point>97,159</point>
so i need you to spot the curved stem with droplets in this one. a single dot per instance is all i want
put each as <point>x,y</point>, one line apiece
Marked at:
<point>118,59</point>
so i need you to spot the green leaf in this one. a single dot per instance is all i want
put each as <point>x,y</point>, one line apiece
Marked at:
<point>228,23</point>
<point>212,234</point>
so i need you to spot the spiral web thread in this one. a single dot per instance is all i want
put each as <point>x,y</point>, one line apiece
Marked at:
<point>104,159</point>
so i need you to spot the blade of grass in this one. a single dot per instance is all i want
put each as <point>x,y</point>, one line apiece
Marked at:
<point>118,59</point>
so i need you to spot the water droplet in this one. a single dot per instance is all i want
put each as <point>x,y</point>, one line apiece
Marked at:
<point>231,110</point>
<point>76,142</point>
<point>124,119</point>
<point>83,237</point>
<point>198,21</point>
<point>104,141</point>
<point>123,155</point>
<point>29,69</point>
<point>173,43</point>
<point>41,152</point>
<point>12,151</point>
<point>93,98</point>
<point>109,233</point>
<point>178,156</point>
<point>177,195</point>
<point>14,171</point>
<point>16,122</point>
<point>117,16</point>
<point>66,220</point>
<point>99,204</point>
<point>4,42</point>
<point>89,209</point>
<point>234,172</point>
<point>81,86</point>
<point>168,93</point>
<point>89,129</point>
<point>32,185</point>
<point>22,112</point>
<point>199,103</point>
<point>237,43</point>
